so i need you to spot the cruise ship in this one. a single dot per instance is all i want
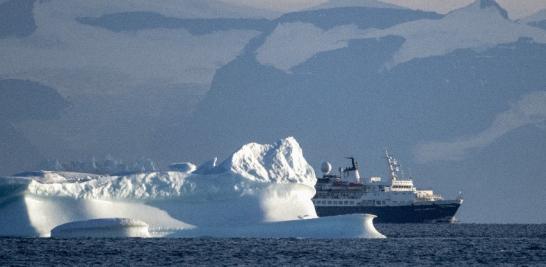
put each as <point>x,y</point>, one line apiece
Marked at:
<point>395,200</point>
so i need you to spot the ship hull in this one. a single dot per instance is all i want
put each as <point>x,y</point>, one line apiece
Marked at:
<point>421,213</point>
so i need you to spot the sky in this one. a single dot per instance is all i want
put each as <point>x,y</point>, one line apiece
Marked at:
<point>517,8</point>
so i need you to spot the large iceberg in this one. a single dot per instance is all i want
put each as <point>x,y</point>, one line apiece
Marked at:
<point>256,185</point>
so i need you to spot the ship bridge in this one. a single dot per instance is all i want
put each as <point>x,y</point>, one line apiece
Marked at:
<point>402,185</point>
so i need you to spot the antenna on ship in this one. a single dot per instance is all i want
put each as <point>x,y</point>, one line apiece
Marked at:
<point>392,166</point>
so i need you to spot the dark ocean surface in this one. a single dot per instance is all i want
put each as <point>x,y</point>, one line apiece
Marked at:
<point>409,244</point>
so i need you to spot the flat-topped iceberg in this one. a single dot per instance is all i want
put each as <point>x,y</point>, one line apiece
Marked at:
<point>255,185</point>
<point>336,227</point>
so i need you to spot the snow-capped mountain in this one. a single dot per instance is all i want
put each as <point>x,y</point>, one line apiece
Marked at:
<point>448,93</point>
<point>480,25</point>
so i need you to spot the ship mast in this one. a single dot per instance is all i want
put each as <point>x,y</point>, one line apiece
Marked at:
<point>392,166</point>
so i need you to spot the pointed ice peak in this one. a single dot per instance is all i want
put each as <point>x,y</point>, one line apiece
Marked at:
<point>488,5</point>
<point>281,162</point>
<point>493,4</point>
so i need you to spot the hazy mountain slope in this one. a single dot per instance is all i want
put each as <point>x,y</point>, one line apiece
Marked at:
<point>299,36</point>
<point>343,101</point>
<point>129,88</point>
<point>538,19</point>
<point>264,87</point>
<point>363,17</point>
<point>135,21</point>
<point>16,152</point>
<point>496,181</point>
<point>354,3</point>
<point>16,18</point>
<point>21,101</point>
<point>171,8</point>
<point>26,100</point>
<point>480,25</point>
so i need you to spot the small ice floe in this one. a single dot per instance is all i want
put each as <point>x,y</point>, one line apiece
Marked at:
<point>102,228</point>
<point>336,227</point>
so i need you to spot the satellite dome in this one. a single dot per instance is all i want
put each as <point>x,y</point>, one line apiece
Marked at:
<point>326,167</point>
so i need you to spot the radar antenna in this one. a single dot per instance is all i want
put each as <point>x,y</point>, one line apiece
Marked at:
<point>393,168</point>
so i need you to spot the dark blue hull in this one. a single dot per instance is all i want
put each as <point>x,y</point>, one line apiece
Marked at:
<point>436,212</point>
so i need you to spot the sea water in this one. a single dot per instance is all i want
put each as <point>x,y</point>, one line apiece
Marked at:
<point>407,244</point>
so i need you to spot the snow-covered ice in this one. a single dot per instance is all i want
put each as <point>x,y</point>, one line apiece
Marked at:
<point>110,227</point>
<point>250,192</point>
<point>256,185</point>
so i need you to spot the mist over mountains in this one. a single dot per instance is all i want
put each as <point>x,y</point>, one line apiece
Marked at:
<point>460,98</point>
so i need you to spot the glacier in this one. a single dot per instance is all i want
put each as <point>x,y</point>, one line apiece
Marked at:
<point>256,187</point>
